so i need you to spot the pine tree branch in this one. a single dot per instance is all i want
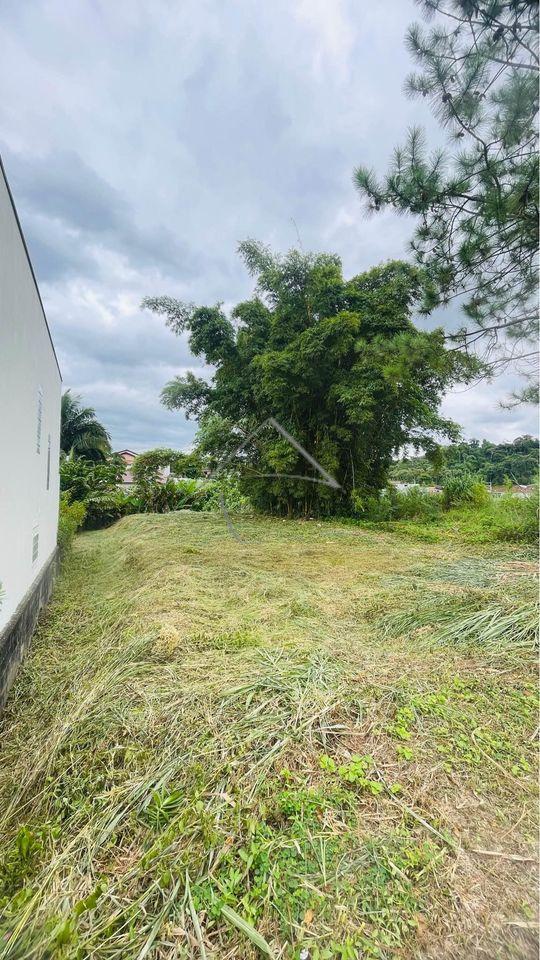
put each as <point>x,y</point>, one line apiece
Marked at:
<point>516,64</point>
<point>513,359</point>
<point>497,326</point>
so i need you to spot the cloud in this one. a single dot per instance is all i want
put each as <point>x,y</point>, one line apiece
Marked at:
<point>478,408</point>
<point>143,141</point>
<point>65,188</point>
<point>72,213</point>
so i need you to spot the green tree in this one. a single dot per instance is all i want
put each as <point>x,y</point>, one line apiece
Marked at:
<point>81,478</point>
<point>338,363</point>
<point>81,433</point>
<point>477,209</point>
<point>147,465</point>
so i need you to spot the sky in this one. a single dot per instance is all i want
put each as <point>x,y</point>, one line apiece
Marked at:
<point>143,140</point>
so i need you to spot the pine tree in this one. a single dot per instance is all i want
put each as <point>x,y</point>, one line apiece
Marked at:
<point>477,206</point>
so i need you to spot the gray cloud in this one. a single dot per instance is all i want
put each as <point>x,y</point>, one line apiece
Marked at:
<point>67,201</point>
<point>478,409</point>
<point>143,141</point>
<point>57,253</point>
<point>62,186</point>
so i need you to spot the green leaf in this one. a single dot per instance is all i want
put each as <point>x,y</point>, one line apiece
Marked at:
<point>246,928</point>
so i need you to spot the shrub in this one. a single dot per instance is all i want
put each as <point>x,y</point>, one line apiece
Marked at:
<point>107,506</point>
<point>105,503</point>
<point>96,486</point>
<point>474,514</point>
<point>189,494</point>
<point>464,488</point>
<point>70,518</point>
<point>416,504</point>
<point>392,504</point>
<point>517,518</point>
<point>376,508</point>
<point>155,497</point>
<point>229,488</point>
<point>80,478</point>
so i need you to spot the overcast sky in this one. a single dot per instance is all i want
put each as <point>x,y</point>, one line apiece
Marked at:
<point>143,139</point>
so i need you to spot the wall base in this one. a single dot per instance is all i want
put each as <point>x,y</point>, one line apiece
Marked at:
<point>16,636</point>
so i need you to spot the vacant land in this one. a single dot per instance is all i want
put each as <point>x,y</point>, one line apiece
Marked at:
<point>317,742</point>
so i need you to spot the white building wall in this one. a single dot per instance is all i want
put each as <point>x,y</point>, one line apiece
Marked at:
<point>29,381</point>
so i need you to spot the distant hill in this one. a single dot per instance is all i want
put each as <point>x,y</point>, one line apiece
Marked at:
<point>494,462</point>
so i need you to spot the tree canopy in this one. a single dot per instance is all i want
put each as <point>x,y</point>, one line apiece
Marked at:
<point>81,433</point>
<point>476,202</point>
<point>147,466</point>
<point>81,478</point>
<point>338,363</point>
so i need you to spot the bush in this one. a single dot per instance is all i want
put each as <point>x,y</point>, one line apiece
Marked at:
<point>70,518</point>
<point>392,504</point>
<point>464,488</point>
<point>469,511</point>
<point>416,504</point>
<point>189,494</point>
<point>80,478</point>
<point>376,508</point>
<point>517,518</point>
<point>96,486</point>
<point>155,497</point>
<point>229,487</point>
<point>107,506</point>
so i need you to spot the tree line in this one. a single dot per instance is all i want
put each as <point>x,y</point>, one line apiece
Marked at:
<point>492,462</point>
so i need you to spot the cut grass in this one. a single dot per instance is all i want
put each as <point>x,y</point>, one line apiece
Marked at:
<point>285,744</point>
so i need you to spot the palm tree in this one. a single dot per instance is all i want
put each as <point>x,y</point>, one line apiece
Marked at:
<point>81,434</point>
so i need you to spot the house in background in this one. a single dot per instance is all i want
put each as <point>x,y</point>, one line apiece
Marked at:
<point>128,456</point>
<point>30,392</point>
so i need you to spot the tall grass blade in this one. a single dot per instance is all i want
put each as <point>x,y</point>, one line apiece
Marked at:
<point>195,920</point>
<point>251,933</point>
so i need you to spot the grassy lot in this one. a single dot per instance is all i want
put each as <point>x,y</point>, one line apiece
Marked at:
<point>318,742</point>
